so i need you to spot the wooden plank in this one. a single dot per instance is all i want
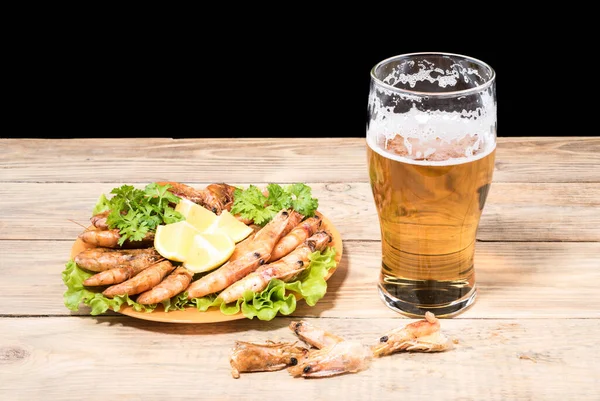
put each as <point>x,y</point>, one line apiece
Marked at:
<point>528,159</point>
<point>516,280</point>
<point>104,358</point>
<point>513,212</point>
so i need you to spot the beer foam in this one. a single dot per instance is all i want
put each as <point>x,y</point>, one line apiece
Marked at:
<point>429,134</point>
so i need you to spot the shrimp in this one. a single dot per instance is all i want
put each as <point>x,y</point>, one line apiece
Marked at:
<point>295,237</point>
<point>110,239</point>
<point>215,197</point>
<point>333,355</point>
<point>173,284</point>
<point>259,251</point>
<point>141,282</point>
<point>99,220</point>
<point>268,357</point>
<point>314,336</point>
<point>102,259</point>
<point>423,335</point>
<point>115,275</point>
<point>242,247</point>
<point>286,268</point>
<point>341,357</point>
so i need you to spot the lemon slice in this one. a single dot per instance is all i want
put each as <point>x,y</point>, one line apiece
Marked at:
<point>208,251</point>
<point>173,241</point>
<point>196,215</point>
<point>228,224</point>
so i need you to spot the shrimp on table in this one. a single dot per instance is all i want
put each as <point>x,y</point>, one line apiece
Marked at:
<point>296,237</point>
<point>259,251</point>
<point>332,356</point>
<point>141,282</point>
<point>314,336</point>
<point>175,283</point>
<point>102,259</point>
<point>268,357</point>
<point>285,269</point>
<point>110,239</point>
<point>337,359</point>
<point>422,336</point>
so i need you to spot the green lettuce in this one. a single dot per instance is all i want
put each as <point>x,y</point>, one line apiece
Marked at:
<point>279,296</point>
<point>77,294</point>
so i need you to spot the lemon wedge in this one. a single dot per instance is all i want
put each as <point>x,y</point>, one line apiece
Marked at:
<point>173,241</point>
<point>228,224</point>
<point>208,251</point>
<point>196,215</point>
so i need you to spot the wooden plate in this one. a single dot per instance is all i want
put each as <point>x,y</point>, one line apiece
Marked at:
<point>213,314</point>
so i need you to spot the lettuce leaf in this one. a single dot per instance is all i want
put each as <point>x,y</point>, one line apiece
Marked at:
<point>77,294</point>
<point>279,296</point>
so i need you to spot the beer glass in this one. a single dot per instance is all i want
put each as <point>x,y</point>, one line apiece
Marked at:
<point>431,142</point>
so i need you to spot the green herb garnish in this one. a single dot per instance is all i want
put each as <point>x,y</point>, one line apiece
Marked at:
<point>252,204</point>
<point>135,212</point>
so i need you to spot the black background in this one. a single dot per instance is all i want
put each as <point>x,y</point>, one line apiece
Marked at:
<point>274,82</point>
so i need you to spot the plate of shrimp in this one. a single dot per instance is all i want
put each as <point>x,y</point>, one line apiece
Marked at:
<point>278,250</point>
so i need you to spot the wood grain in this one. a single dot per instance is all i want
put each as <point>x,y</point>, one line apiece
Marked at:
<point>99,359</point>
<point>528,280</point>
<point>531,334</point>
<point>571,159</point>
<point>513,212</point>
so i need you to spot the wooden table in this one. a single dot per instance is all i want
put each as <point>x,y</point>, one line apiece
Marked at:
<point>532,334</point>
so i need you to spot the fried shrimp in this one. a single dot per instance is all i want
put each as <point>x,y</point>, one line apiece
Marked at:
<point>110,239</point>
<point>259,251</point>
<point>268,357</point>
<point>175,283</point>
<point>422,336</point>
<point>102,259</point>
<point>141,282</point>
<point>286,268</point>
<point>295,237</point>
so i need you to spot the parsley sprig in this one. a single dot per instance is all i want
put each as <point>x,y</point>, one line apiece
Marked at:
<point>135,212</point>
<point>252,204</point>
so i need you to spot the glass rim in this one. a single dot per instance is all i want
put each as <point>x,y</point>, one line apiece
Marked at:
<point>475,89</point>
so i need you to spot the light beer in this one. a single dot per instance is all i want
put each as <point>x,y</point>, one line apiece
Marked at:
<point>429,207</point>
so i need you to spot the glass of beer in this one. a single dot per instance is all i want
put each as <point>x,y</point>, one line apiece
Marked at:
<point>431,142</point>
